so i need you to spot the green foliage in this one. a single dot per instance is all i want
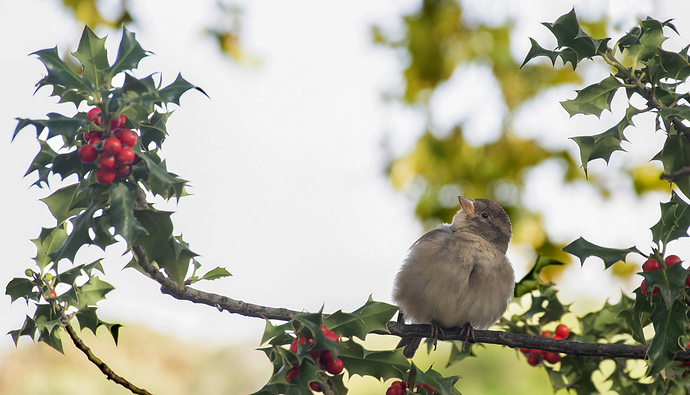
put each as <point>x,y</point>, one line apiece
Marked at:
<point>97,213</point>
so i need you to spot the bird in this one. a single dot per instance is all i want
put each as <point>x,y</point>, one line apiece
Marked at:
<point>458,275</point>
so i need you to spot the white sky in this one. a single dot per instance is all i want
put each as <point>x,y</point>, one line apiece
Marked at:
<point>285,160</point>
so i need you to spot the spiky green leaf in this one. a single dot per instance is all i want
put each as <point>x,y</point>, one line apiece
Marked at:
<point>583,249</point>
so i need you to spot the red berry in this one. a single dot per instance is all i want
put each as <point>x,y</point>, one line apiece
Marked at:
<point>525,351</point>
<point>95,140</point>
<point>105,176</point>
<point>651,265</point>
<point>323,328</point>
<point>91,115</point>
<point>687,281</point>
<point>427,386</point>
<point>98,120</point>
<point>563,331</point>
<point>330,335</point>
<point>53,294</point>
<point>395,391</point>
<point>326,356</point>
<point>87,153</point>
<point>89,135</point>
<point>128,137</point>
<point>296,342</point>
<point>112,145</point>
<point>123,171</point>
<point>557,338</point>
<point>533,359</point>
<point>107,161</point>
<point>671,260</point>
<point>644,291</point>
<point>685,363</point>
<point>125,156</point>
<point>335,367</point>
<point>292,374</point>
<point>546,334</point>
<point>314,386</point>
<point>399,384</point>
<point>552,357</point>
<point>118,122</point>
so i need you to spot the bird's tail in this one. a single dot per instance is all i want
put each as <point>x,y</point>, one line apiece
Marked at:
<point>411,344</point>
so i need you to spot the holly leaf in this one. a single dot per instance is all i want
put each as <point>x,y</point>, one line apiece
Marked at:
<point>27,329</point>
<point>537,50</point>
<point>583,249</point>
<point>671,280</point>
<point>59,73</point>
<point>19,288</point>
<point>675,65</point>
<point>94,58</point>
<point>47,242</point>
<point>570,35</point>
<point>121,211</point>
<point>40,163</point>
<point>674,156</point>
<point>172,92</point>
<point>57,124</point>
<point>642,42</point>
<point>669,327</point>
<point>593,99</point>
<point>66,202</point>
<point>77,238</point>
<point>607,322</point>
<point>161,247</point>
<point>371,317</point>
<point>382,365</point>
<point>674,221</point>
<point>91,292</point>
<point>434,379</point>
<point>160,181</point>
<point>601,146</point>
<point>215,274</point>
<point>272,331</point>
<point>129,54</point>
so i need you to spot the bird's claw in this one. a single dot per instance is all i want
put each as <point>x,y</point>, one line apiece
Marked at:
<point>468,332</point>
<point>437,329</point>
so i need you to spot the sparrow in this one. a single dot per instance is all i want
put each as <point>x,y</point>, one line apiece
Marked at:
<point>458,275</point>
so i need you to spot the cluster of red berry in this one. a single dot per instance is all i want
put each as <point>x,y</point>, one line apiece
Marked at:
<point>653,264</point>
<point>400,388</point>
<point>323,357</point>
<point>115,157</point>
<point>534,357</point>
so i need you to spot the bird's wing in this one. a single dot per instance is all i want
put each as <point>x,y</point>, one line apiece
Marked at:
<point>433,235</point>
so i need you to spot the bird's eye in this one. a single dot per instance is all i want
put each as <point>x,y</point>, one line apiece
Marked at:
<point>485,215</point>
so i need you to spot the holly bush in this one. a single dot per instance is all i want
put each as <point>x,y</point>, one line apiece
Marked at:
<point>111,146</point>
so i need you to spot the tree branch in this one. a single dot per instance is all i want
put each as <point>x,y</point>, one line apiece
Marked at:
<point>107,371</point>
<point>676,174</point>
<point>519,340</point>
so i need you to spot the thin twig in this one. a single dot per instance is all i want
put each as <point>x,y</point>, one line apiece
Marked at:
<point>676,174</point>
<point>107,371</point>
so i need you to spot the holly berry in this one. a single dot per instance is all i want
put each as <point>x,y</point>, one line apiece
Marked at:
<point>563,331</point>
<point>546,334</point>
<point>525,351</point>
<point>396,388</point>
<point>107,161</point>
<point>95,140</point>
<point>92,114</point>
<point>552,357</point>
<point>687,281</point>
<point>123,171</point>
<point>87,153</point>
<point>671,260</point>
<point>292,374</point>
<point>533,359</point>
<point>427,386</point>
<point>125,156</point>
<point>334,367</point>
<point>651,265</point>
<point>118,122</point>
<point>53,294</point>
<point>314,386</point>
<point>90,135</point>
<point>128,137</point>
<point>105,176</point>
<point>112,145</point>
<point>296,342</point>
<point>330,335</point>
<point>644,291</point>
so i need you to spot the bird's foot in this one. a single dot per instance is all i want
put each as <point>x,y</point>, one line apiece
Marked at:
<point>468,332</point>
<point>437,329</point>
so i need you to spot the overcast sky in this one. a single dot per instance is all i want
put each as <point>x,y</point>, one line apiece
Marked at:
<point>285,159</point>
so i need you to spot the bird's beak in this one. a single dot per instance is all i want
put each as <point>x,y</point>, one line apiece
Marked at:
<point>467,205</point>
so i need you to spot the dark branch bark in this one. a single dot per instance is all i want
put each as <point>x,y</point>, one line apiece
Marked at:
<point>519,340</point>
<point>107,371</point>
<point>676,174</point>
